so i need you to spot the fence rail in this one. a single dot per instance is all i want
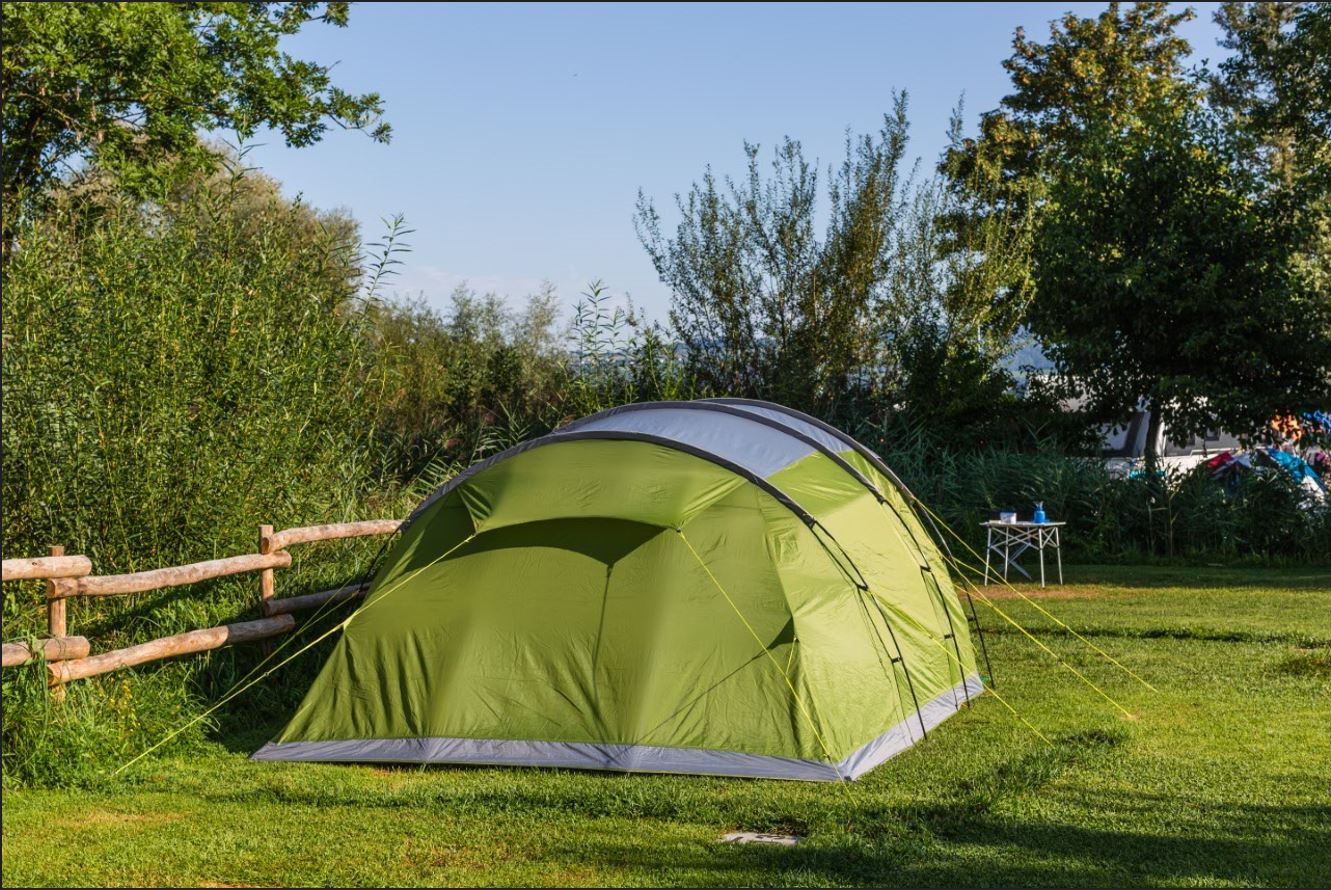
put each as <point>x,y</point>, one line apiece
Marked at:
<point>285,539</point>
<point>314,600</point>
<point>51,648</point>
<point>174,576</point>
<point>68,657</point>
<point>45,567</point>
<point>166,647</point>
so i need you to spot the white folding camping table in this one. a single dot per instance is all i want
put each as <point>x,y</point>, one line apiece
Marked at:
<point>1009,540</point>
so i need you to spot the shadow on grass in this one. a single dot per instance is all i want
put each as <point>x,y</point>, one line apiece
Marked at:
<point>985,829</point>
<point>265,703</point>
<point>970,838</point>
<point>990,851</point>
<point>1201,634</point>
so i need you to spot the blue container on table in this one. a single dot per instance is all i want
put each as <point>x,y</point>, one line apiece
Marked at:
<point>1039,513</point>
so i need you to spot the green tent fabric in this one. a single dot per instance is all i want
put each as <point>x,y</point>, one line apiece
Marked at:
<point>721,587</point>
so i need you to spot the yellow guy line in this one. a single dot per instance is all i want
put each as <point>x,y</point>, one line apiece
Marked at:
<point>1051,652</point>
<point>759,640</point>
<point>994,693</point>
<point>988,602</point>
<point>238,689</point>
<point>962,670</point>
<point>325,608</point>
<point>1042,609</point>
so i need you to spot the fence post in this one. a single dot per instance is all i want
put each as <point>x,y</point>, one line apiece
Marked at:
<point>265,576</point>
<point>55,607</point>
<point>55,622</point>
<point>266,583</point>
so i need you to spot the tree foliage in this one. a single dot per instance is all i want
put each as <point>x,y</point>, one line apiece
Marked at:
<point>1110,73</point>
<point>1164,268</point>
<point>174,369</point>
<point>127,85</point>
<point>455,375</point>
<point>852,300</point>
<point>1275,90</point>
<point>761,301</point>
<point>1277,84</point>
<point>1159,278</point>
<point>1094,75</point>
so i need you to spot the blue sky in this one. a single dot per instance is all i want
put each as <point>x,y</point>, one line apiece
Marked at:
<point>522,133</point>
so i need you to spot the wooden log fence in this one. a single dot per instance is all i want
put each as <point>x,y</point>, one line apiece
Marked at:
<point>60,649</point>
<point>56,622</point>
<point>68,658</point>
<point>167,647</point>
<point>175,576</point>
<point>314,600</point>
<point>267,583</point>
<point>285,539</point>
<point>46,567</point>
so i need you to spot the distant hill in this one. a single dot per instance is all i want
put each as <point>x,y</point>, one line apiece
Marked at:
<point>1029,357</point>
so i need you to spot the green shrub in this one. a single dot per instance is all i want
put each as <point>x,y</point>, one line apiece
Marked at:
<point>474,380</point>
<point>174,374</point>
<point>454,376</point>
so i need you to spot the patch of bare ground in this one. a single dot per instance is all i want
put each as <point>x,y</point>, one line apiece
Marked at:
<point>1068,592</point>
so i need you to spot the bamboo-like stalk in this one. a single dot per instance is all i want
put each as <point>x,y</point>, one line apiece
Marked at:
<point>167,647</point>
<point>287,537</point>
<point>287,605</point>
<point>175,576</point>
<point>62,649</point>
<point>45,567</point>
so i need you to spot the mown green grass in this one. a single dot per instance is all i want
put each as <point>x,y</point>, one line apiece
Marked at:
<point>1223,778</point>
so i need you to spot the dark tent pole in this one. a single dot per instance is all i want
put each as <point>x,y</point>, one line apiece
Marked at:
<point>905,669</point>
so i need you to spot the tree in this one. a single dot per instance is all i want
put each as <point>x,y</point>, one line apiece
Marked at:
<point>1159,278</point>
<point>1108,72</point>
<point>1163,268</point>
<point>1277,84</point>
<point>762,304</point>
<point>126,85</point>
<point>883,311</point>
<point>1111,71</point>
<point>1276,92</point>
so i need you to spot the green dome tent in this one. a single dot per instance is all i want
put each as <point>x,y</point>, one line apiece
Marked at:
<point>723,586</point>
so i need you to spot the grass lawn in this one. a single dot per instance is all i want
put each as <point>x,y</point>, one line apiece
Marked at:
<point>1223,778</point>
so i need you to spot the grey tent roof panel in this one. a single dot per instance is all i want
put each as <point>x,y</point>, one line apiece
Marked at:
<point>789,417</point>
<point>755,439</point>
<point>759,448</point>
<point>829,441</point>
<point>570,434</point>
